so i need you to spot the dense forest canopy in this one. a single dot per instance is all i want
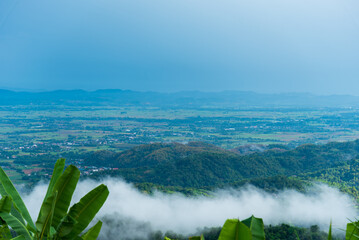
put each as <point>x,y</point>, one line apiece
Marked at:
<point>203,165</point>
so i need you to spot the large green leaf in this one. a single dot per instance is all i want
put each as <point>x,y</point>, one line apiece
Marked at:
<point>18,202</point>
<point>19,238</point>
<point>256,226</point>
<point>352,232</point>
<point>330,231</point>
<point>16,213</point>
<point>233,229</point>
<point>44,220</point>
<point>66,226</point>
<point>93,232</point>
<point>85,210</point>
<point>16,225</point>
<point>43,224</point>
<point>5,204</point>
<point>229,230</point>
<point>5,232</point>
<point>196,238</point>
<point>58,170</point>
<point>65,187</point>
<point>2,190</point>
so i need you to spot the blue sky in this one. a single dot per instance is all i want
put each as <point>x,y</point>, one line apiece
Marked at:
<point>173,45</point>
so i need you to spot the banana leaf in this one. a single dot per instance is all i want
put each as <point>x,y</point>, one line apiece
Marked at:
<point>330,231</point>
<point>5,231</point>
<point>6,207</point>
<point>43,223</point>
<point>19,238</point>
<point>5,204</point>
<point>256,226</point>
<point>16,213</point>
<point>233,229</point>
<point>58,169</point>
<point>2,190</point>
<point>352,232</point>
<point>65,187</point>
<point>93,232</point>
<point>16,225</point>
<point>18,202</point>
<point>85,210</point>
<point>196,238</point>
<point>66,226</point>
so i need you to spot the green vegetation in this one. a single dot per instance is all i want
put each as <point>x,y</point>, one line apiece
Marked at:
<point>149,188</point>
<point>344,177</point>
<point>352,232</point>
<point>270,184</point>
<point>280,232</point>
<point>254,229</point>
<point>36,132</point>
<point>55,220</point>
<point>233,141</point>
<point>285,231</point>
<point>274,184</point>
<point>199,165</point>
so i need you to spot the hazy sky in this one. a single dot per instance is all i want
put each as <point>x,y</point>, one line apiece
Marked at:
<point>172,45</point>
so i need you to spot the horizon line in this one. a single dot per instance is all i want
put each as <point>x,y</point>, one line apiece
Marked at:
<point>21,90</point>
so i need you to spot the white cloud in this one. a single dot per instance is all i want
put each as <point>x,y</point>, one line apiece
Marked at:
<point>185,215</point>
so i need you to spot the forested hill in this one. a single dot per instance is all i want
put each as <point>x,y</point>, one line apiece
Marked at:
<point>200,164</point>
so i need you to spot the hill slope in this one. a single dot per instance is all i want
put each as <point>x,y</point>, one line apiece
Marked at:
<point>203,165</point>
<point>345,177</point>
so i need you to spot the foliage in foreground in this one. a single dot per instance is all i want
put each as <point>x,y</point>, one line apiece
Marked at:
<point>279,232</point>
<point>55,221</point>
<point>233,229</point>
<point>253,229</point>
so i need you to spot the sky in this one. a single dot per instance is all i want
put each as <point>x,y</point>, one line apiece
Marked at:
<point>268,46</point>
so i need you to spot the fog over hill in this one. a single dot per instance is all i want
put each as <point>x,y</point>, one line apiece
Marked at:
<point>229,99</point>
<point>130,214</point>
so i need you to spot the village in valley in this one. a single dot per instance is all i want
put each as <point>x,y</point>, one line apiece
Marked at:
<point>32,139</point>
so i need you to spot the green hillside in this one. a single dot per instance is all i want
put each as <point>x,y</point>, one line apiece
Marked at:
<point>201,165</point>
<point>273,184</point>
<point>344,177</point>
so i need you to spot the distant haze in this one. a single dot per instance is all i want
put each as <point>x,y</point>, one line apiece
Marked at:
<point>224,99</point>
<point>160,45</point>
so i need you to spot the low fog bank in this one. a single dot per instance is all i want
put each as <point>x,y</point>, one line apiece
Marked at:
<point>129,212</point>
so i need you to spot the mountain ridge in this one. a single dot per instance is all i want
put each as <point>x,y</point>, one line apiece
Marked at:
<point>228,99</point>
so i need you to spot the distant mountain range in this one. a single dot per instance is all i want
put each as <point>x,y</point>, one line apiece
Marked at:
<point>198,164</point>
<point>227,99</point>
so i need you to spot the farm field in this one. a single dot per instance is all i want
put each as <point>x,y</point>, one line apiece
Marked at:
<point>62,128</point>
<point>50,132</point>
